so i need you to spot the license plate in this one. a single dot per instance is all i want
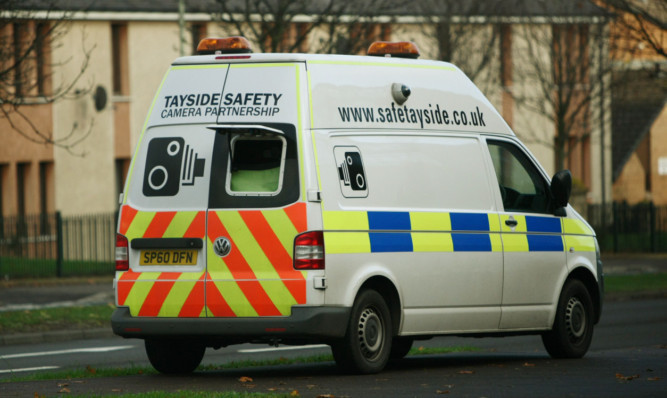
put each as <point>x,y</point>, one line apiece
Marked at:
<point>168,257</point>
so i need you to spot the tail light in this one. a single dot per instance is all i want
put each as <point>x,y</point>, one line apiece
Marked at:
<point>309,250</point>
<point>122,259</point>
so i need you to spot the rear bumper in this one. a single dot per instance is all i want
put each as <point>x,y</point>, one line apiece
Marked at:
<point>319,324</point>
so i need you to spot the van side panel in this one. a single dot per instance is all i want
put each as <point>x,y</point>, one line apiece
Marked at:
<point>359,95</point>
<point>419,219</point>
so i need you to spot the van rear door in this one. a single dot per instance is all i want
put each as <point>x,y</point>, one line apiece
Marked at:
<point>255,210</point>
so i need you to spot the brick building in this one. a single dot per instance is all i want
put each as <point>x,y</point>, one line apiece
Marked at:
<point>126,46</point>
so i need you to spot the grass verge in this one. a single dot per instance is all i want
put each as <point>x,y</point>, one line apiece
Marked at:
<point>635,283</point>
<point>48,319</point>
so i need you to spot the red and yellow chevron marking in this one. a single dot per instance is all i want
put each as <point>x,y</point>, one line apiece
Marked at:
<point>163,294</point>
<point>257,277</point>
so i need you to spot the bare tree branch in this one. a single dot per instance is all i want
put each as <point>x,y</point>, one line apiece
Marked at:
<point>28,37</point>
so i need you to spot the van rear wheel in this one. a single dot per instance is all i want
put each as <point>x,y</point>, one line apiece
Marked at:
<point>367,342</point>
<point>572,330</point>
<point>174,356</point>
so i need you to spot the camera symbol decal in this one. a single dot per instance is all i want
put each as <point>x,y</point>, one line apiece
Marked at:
<point>170,163</point>
<point>353,182</point>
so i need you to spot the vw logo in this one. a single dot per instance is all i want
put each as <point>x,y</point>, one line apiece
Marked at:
<point>222,246</point>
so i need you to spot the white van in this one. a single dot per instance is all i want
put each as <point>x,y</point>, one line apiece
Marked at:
<point>359,201</point>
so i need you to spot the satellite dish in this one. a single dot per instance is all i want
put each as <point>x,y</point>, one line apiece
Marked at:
<point>100,98</point>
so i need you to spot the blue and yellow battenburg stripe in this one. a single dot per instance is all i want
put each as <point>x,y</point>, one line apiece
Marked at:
<point>389,231</point>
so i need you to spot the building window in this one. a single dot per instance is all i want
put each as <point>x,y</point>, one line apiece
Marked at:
<point>506,55</point>
<point>444,41</point>
<point>21,174</point>
<point>46,188</point>
<point>122,167</point>
<point>30,58</point>
<point>3,190</point>
<point>360,36</point>
<point>42,57</point>
<point>119,59</point>
<point>197,33</point>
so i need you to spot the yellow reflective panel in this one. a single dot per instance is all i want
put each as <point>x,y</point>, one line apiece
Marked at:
<point>347,242</point>
<point>426,221</point>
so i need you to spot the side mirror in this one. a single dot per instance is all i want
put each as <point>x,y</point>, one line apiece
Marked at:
<point>561,187</point>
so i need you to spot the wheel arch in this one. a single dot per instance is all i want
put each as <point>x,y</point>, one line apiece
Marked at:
<point>586,277</point>
<point>388,291</point>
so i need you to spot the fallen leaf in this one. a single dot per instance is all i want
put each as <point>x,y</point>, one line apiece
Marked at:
<point>528,365</point>
<point>654,378</point>
<point>442,392</point>
<point>272,389</point>
<point>326,396</point>
<point>64,391</point>
<point>619,376</point>
<point>91,369</point>
<point>294,393</point>
<point>310,386</point>
<point>63,385</point>
<point>245,379</point>
<point>466,372</point>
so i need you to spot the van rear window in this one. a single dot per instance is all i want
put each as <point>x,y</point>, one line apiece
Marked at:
<point>256,165</point>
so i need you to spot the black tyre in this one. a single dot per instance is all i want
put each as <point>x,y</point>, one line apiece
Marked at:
<point>400,347</point>
<point>174,356</point>
<point>572,331</point>
<point>367,343</point>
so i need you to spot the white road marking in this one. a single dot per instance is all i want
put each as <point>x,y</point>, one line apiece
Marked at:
<point>64,352</point>
<point>304,347</point>
<point>29,369</point>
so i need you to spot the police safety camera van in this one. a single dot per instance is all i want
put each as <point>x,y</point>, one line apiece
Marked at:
<point>363,202</point>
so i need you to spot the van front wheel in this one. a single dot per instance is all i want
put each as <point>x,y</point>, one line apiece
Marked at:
<point>174,356</point>
<point>572,330</point>
<point>367,342</point>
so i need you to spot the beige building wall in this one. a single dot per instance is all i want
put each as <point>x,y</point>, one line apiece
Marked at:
<point>533,128</point>
<point>152,46</point>
<point>659,158</point>
<point>84,181</point>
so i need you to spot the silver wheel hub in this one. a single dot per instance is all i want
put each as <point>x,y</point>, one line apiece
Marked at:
<point>371,333</point>
<point>575,318</point>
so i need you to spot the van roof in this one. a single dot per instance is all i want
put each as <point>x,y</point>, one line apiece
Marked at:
<point>352,91</point>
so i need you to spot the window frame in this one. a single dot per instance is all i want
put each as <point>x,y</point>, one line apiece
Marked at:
<point>530,166</point>
<point>291,181</point>
<point>228,179</point>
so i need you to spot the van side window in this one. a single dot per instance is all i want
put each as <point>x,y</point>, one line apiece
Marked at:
<point>522,187</point>
<point>256,165</point>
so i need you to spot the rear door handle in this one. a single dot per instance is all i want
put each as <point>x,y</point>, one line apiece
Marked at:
<point>511,223</point>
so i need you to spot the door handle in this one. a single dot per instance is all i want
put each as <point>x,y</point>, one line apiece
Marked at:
<point>511,223</point>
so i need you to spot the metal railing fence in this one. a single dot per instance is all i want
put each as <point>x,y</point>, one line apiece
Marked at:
<point>48,245</point>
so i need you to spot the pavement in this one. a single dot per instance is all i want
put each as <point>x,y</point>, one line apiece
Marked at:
<point>31,295</point>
